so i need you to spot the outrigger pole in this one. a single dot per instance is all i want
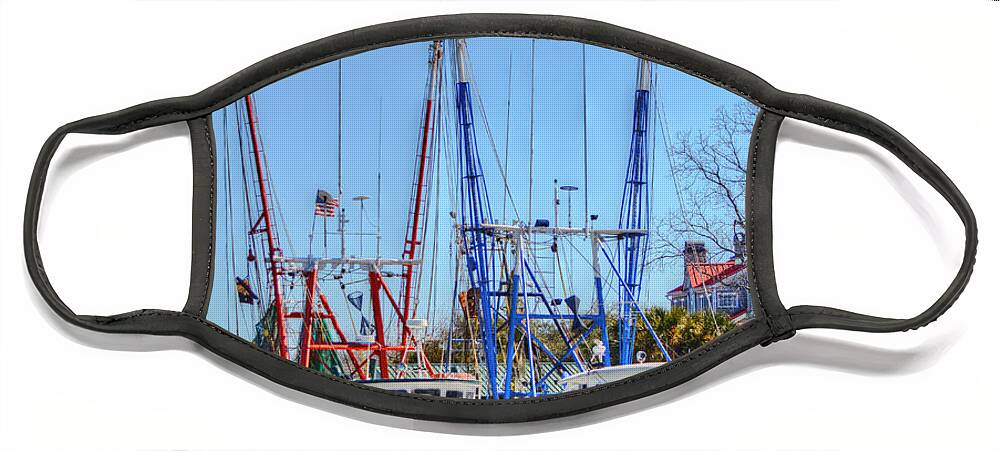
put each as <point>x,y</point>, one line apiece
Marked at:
<point>416,226</point>
<point>276,265</point>
<point>272,250</point>
<point>476,212</point>
<point>316,307</point>
<point>634,215</point>
<point>480,236</point>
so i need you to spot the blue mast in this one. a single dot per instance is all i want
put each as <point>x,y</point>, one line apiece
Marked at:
<point>475,212</point>
<point>634,215</point>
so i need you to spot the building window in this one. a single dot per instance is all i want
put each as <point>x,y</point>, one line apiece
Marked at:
<point>428,391</point>
<point>700,302</point>
<point>729,299</point>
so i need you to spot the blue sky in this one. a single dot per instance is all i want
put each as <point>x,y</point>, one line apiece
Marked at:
<point>384,89</point>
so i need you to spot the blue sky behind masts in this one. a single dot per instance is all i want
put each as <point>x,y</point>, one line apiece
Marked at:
<point>384,89</point>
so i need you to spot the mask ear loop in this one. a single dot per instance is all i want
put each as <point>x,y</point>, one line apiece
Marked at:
<point>145,321</point>
<point>858,123</point>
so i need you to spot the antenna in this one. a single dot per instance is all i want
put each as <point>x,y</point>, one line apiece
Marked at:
<point>340,155</point>
<point>378,191</point>
<point>569,202</point>
<point>555,201</point>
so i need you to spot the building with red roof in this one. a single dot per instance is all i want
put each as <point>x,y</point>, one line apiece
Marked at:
<point>721,286</point>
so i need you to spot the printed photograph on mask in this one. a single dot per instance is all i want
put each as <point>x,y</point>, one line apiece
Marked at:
<point>482,218</point>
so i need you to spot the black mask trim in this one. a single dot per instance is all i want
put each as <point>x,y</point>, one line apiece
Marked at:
<point>777,323</point>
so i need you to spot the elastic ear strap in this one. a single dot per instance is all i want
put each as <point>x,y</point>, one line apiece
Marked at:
<point>856,122</point>
<point>148,321</point>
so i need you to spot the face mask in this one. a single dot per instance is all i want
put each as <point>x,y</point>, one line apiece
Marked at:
<point>486,218</point>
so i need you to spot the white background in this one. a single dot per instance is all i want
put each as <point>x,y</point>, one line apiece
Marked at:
<point>852,229</point>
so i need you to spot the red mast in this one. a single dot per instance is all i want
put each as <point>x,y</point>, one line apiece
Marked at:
<point>309,271</point>
<point>375,283</point>
<point>272,250</point>
<point>307,316</point>
<point>416,226</point>
<point>319,311</point>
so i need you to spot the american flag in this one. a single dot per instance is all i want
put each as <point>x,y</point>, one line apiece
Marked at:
<point>326,205</point>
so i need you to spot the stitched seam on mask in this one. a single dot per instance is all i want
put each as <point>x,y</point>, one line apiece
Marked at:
<point>827,312</point>
<point>753,221</point>
<point>688,358</point>
<point>211,220</point>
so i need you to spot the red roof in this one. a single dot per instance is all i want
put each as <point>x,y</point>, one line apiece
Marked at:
<point>708,274</point>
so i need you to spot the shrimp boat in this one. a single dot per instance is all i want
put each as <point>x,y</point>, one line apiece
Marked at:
<point>513,268</point>
<point>518,326</point>
<point>307,329</point>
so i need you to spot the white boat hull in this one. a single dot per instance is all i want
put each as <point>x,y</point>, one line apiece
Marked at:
<point>604,375</point>
<point>448,388</point>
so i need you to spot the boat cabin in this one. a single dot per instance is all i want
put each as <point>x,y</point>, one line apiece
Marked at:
<point>448,388</point>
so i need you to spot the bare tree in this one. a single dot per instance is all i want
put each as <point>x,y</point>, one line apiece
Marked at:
<point>709,166</point>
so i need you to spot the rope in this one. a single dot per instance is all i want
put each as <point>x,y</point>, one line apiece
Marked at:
<point>531,145</point>
<point>665,131</point>
<point>493,146</point>
<point>506,144</point>
<point>586,158</point>
<point>651,192</point>
<point>231,270</point>
<point>340,153</point>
